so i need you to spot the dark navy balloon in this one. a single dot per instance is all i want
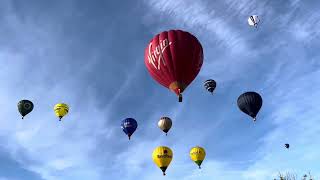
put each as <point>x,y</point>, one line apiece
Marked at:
<point>250,103</point>
<point>129,125</point>
<point>287,146</point>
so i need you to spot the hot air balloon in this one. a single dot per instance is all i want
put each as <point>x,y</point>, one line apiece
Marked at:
<point>129,125</point>
<point>162,157</point>
<point>165,124</point>
<point>61,110</point>
<point>197,154</point>
<point>253,20</point>
<point>25,107</point>
<point>250,103</point>
<point>174,59</point>
<point>210,85</point>
<point>287,146</point>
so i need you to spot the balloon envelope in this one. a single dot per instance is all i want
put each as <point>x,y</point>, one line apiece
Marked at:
<point>197,154</point>
<point>253,20</point>
<point>165,124</point>
<point>129,125</point>
<point>174,59</point>
<point>61,109</point>
<point>210,85</point>
<point>162,157</point>
<point>25,107</point>
<point>287,146</point>
<point>250,103</point>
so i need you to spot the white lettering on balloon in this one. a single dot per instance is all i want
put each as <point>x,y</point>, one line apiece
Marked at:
<point>157,54</point>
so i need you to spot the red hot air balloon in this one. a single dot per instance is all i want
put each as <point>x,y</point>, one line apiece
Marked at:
<point>174,59</point>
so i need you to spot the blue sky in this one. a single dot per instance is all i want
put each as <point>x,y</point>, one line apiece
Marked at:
<point>90,55</point>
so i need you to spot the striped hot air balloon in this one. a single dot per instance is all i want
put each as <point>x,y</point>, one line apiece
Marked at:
<point>210,85</point>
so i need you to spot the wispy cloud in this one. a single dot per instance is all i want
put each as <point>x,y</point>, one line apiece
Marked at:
<point>200,18</point>
<point>228,46</point>
<point>55,150</point>
<point>288,74</point>
<point>44,59</point>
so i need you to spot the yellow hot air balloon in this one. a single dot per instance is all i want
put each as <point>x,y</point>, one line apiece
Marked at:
<point>197,154</point>
<point>61,110</point>
<point>162,157</point>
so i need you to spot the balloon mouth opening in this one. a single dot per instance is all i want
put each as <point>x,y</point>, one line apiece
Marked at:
<point>254,116</point>
<point>166,130</point>
<point>254,119</point>
<point>177,87</point>
<point>163,170</point>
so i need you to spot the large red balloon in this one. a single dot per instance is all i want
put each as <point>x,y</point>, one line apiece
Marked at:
<point>174,59</point>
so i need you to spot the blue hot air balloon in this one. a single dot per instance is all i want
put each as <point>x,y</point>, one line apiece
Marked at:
<point>129,125</point>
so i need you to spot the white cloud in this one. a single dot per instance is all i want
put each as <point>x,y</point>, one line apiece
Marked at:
<point>63,150</point>
<point>40,143</point>
<point>294,114</point>
<point>199,17</point>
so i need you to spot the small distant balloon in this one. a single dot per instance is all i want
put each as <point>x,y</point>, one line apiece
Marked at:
<point>253,20</point>
<point>197,154</point>
<point>287,146</point>
<point>25,107</point>
<point>129,126</point>
<point>165,124</point>
<point>210,85</point>
<point>61,110</point>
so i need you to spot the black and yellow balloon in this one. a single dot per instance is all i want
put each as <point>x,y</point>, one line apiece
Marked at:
<point>61,110</point>
<point>162,157</point>
<point>197,154</point>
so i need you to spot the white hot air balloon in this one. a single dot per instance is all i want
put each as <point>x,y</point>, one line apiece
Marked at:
<point>253,20</point>
<point>165,124</point>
